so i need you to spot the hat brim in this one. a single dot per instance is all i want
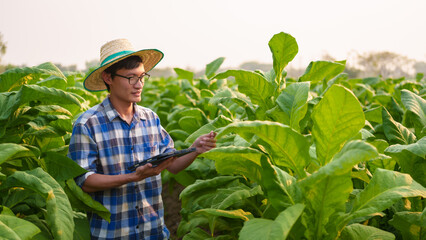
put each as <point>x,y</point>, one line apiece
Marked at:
<point>150,58</point>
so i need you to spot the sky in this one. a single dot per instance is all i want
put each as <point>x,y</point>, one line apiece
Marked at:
<point>193,33</point>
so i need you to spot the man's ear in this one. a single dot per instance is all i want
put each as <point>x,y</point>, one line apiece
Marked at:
<point>107,78</point>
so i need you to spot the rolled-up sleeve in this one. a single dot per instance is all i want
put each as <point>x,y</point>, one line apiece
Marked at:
<point>83,150</point>
<point>166,141</point>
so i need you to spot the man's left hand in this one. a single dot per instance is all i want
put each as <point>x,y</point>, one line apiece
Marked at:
<point>205,142</point>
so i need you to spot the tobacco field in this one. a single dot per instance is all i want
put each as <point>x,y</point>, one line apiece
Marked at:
<point>321,156</point>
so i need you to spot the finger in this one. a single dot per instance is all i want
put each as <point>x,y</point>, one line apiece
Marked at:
<point>144,167</point>
<point>209,141</point>
<point>209,144</point>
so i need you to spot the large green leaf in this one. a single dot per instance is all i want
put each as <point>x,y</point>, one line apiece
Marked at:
<point>415,104</point>
<point>12,227</point>
<point>252,84</point>
<point>184,74</point>
<point>214,216</point>
<point>418,148</point>
<point>52,109</point>
<point>61,167</point>
<point>86,95</point>
<point>385,188</point>
<point>293,102</point>
<point>374,115</point>
<point>59,213</point>
<point>189,124</point>
<point>16,197</point>
<point>212,67</point>
<point>197,234</point>
<point>236,160</point>
<point>287,147</point>
<point>337,118</point>
<point>395,132</point>
<point>84,201</point>
<point>229,97</point>
<point>178,134</point>
<point>411,158</point>
<point>216,123</point>
<point>234,195</point>
<point>9,102</point>
<point>322,71</point>
<point>54,82</point>
<point>14,78</point>
<point>359,231</point>
<point>45,233</point>
<point>284,48</point>
<point>280,188</point>
<point>8,150</point>
<point>277,229</point>
<point>82,226</point>
<point>416,107</point>
<point>197,113</point>
<point>201,187</point>
<point>333,184</point>
<point>48,96</point>
<point>409,224</point>
<point>235,214</point>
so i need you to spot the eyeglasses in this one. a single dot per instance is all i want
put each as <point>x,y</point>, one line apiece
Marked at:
<point>134,79</point>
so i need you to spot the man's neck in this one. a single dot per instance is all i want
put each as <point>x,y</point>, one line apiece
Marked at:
<point>125,109</point>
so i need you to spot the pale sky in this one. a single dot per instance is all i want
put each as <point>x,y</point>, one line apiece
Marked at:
<point>192,33</point>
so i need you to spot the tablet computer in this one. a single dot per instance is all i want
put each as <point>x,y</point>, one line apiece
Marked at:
<point>156,160</point>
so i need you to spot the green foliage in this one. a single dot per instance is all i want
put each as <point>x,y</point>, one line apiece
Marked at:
<point>318,157</point>
<point>331,156</point>
<point>336,118</point>
<point>38,195</point>
<point>272,229</point>
<point>284,48</point>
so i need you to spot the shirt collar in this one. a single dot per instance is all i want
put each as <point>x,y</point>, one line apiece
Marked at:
<point>112,113</point>
<point>139,112</point>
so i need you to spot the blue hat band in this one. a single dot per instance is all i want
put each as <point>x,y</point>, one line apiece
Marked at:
<point>114,56</point>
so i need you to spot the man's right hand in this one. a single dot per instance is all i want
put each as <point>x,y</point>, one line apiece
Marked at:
<point>147,170</point>
<point>100,182</point>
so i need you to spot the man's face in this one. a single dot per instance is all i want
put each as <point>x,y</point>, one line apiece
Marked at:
<point>122,90</point>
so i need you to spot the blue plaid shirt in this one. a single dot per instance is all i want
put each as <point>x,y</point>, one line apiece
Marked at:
<point>102,142</point>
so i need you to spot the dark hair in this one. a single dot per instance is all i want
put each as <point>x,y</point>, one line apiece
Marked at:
<point>127,63</point>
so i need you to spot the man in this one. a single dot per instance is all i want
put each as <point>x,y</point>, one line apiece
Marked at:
<point>117,133</point>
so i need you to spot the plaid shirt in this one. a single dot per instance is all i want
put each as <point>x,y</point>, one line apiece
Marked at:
<point>102,142</point>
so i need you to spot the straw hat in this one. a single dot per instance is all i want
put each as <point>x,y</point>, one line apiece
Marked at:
<point>114,51</point>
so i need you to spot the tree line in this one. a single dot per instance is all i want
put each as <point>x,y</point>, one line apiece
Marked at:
<point>358,65</point>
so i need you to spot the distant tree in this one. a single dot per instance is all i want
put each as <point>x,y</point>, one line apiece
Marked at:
<point>68,68</point>
<point>163,72</point>
<point>92,64</point>
<point>2,52</point>
<point>386,64</point>
<point>420,67</point>
<point>327,57</point>
<point>2,46</point>
<point>253,65</point>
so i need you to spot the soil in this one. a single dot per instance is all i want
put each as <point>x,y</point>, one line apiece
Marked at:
<point>172,206</point>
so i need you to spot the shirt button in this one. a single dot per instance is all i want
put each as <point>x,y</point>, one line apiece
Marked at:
<point>137,226</point>
<point>137,207</point>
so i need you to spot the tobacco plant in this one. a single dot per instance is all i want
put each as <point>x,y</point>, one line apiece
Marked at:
<point>38,196</point>
<point>318,157</point>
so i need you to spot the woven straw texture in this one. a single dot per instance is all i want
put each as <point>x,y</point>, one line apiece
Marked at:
<point>114,51</point>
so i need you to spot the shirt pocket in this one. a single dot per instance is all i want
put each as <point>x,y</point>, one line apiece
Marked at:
<point>145,151</point>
